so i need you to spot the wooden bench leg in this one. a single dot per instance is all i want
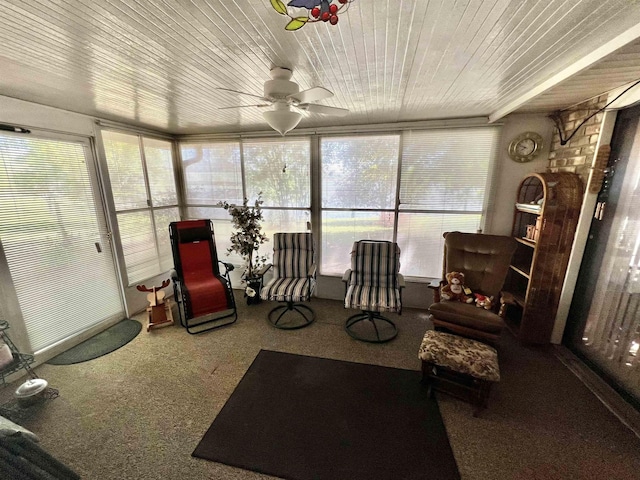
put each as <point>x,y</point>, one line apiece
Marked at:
<point>482,396</point>
<point>478,395</point>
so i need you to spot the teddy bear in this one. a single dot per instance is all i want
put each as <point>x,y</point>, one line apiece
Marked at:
<point>454,290</point>
<point>482,301</point>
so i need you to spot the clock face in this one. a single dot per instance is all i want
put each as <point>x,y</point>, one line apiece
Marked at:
<point>525,147</point>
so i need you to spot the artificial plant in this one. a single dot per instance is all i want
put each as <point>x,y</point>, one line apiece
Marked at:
<point>248,237</point>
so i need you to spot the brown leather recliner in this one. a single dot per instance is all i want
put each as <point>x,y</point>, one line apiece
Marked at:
<point>484,260</point>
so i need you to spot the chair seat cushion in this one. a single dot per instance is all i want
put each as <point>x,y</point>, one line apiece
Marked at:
<point>468,316</point>
<point>373,299</point>
<point>288,289</point>
<point>460,354</point>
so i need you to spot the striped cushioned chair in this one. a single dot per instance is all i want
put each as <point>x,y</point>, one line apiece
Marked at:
<point>373,284</point>
<point>294,280</point>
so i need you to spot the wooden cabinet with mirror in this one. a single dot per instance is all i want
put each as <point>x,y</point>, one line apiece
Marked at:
<point>545,219</point>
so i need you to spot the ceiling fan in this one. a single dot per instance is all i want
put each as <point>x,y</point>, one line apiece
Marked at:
<point>287,99</point>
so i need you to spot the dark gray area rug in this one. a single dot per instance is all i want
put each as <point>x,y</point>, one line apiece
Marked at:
<point>308,418</point>
<point>107,341</point>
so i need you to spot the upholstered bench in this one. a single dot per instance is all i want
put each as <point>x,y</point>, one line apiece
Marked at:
<point>459,366</point>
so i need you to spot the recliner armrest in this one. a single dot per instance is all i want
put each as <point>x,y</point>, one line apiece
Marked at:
<point>435,285</point>
<point>506,298</point>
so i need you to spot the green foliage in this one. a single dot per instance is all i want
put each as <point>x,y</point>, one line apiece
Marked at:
<point>249,236</point>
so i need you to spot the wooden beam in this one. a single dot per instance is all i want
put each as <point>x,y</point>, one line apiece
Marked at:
<point>608,48</point>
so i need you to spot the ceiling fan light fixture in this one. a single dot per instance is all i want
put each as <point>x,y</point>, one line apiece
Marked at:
<point>282,121</point>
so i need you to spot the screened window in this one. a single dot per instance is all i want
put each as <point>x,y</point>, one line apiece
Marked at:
<point>143,185</point>
<point>443,188</point>
<point>229,171</point>
<point>410,187</point>
<point>359,182</point>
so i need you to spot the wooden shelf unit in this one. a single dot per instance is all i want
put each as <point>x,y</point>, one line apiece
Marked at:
<point>547,207</point>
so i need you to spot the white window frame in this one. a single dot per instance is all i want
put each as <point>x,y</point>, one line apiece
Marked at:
<point>316,209</point>
<point>234,258</point>
<point>109,199</point>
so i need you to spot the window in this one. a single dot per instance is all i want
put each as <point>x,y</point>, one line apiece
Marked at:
<point>443,188</point>
<point>410,187</point>
<point>359,182</point>
<point>232,170</point>
<point>141,174</point>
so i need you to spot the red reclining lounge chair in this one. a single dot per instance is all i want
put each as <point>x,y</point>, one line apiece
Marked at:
<point>204,295</point>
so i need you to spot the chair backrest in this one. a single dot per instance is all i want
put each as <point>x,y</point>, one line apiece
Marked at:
<point>484,259</point>
<point>194,248</point>
<point>375,263</point>
<point>292,255</point>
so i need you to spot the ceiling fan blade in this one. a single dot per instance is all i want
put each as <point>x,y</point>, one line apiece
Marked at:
<point>262,105</point>
<point>243,93</point>
<point>324,110</point>
<point>312,95</point>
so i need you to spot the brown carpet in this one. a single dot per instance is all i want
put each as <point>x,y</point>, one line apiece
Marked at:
<point>309,418</point>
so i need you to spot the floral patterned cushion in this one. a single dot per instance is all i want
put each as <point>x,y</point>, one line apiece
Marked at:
<point>461,355</point>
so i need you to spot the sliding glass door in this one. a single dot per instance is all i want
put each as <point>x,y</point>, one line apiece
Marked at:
<point>604,320</point>
<point>54,237</point>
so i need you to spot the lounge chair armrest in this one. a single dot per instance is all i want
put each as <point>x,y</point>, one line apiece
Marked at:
<point>264,269</point>
<point>346,276</point>
<point>401,282</point>
<point>174,274</point>
<point>312,271</point>
<point>228,266</point>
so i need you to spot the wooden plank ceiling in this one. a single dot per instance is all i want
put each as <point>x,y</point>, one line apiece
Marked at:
<point>158,63</point>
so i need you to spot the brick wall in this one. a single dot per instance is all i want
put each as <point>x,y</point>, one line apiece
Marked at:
<point>577,155</point>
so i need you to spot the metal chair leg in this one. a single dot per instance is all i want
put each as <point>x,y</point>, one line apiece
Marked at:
<point>308,317</point>
<point>372,317</point>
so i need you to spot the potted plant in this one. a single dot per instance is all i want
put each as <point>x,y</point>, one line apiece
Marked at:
<point>246,240</point>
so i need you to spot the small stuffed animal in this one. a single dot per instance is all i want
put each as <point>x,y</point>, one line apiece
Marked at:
<point>482,301</point>
<point>455,290</point>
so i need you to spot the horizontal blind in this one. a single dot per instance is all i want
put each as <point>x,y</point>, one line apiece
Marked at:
<point>360,171</point>
<point>145,195</point>
<point>125,170</point>
<point>159,161</point>
<point>447,169</point>
<point>443,188</point>
<point>280,169</point>
<point>212,172</point>
<point>55,239</point>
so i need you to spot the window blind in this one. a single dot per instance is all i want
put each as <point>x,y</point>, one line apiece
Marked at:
<point>212,172</point>
<point>360,172</point>
<point>443,188</point>
<point>279,168</point>
<point>55,238</point>
<point>143,186</point>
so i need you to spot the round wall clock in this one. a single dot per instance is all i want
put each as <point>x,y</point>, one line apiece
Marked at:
<point>525,147</point>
